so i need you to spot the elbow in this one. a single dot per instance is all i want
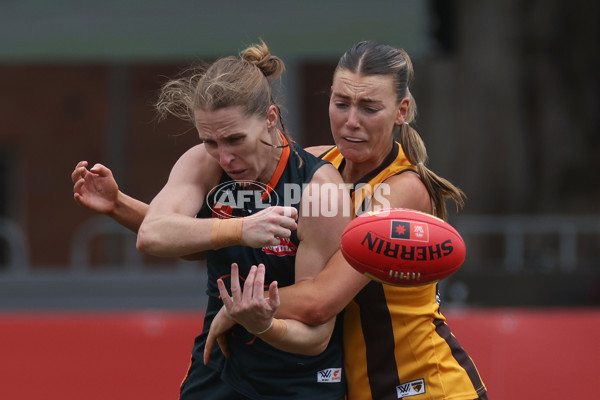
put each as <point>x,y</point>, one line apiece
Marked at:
<point>146,243</point>
<point>315,312</point>
<point>318,316</point>
<point>317,349</point>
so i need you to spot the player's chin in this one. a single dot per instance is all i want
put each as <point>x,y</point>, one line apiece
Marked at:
<point>355,153</point>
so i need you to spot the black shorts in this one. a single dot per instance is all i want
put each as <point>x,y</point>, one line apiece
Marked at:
<point>204,383</point>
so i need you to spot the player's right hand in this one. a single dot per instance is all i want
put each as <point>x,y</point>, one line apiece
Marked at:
<point>266,227</point>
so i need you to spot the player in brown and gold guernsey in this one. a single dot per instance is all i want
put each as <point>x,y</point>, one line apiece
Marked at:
<point>396,341</point>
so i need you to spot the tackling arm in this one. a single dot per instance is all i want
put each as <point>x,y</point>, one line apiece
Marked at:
<point>321,222</point>
<point>316,300</point>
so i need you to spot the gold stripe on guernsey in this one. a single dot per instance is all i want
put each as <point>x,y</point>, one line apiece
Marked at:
<point>407,319</point>
<point>396,162</point>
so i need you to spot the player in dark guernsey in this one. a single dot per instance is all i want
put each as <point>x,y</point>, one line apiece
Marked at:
<point>230,198</point>
<point>396,341</point>
<point>256,368</point>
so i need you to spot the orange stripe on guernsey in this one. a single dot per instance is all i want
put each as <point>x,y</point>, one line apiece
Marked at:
<point>285,155</point>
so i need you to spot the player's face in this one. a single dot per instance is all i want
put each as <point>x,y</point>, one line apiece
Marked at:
<point>363,111</point>
<point>233,139</point>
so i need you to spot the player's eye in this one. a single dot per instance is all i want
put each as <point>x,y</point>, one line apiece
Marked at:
<point>235,139</point>
<point>371,110</point>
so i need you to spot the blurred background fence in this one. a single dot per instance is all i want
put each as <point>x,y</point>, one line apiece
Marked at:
<point>544,260</point>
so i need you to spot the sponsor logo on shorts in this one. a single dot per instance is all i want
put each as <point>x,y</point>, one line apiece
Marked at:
<point>329,375</point>
<point>411,388</point>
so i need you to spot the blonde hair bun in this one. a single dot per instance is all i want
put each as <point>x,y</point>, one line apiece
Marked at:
<point>271,66</point>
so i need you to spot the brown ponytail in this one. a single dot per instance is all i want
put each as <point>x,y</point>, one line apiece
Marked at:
<point>439,188</point>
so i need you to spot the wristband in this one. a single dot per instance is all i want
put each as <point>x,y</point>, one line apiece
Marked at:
<point>227,313</point>
<point>275,332</point>
<point>264,330</point>
<point>226,232</point>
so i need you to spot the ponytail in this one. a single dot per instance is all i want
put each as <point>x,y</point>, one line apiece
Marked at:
<point>438,188</point>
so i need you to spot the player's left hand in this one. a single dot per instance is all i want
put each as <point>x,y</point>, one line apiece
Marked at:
<point>250,308</point>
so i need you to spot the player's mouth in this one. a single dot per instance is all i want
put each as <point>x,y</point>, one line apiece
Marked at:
<point>237,172</point>
<point>353,139</point>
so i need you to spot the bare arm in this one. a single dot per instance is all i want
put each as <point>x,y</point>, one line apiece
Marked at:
<point>324,213</point>
<point>171,229</point>
<point>255,312</point>
<point>319,229</point>
<point>97,190</point>
<point>317,300</point>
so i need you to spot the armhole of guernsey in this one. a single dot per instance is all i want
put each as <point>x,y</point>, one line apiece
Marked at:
<point>333,156</point>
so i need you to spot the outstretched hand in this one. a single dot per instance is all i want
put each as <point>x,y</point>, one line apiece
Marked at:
<point>249,308</point>
<point>94,189</point>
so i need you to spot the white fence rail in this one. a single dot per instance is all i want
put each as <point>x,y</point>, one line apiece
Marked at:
<point>564,233</point>
<point>512,233</point>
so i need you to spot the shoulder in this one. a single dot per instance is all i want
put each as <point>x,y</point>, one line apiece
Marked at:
<point>406,179</point>
<point>406,190</point>
<point>318,150</point>
<point>197,156</point>
<point>325,207</point>
<point>196,165</point>
<point>327,173</point>
<point>326,191</point>
<point>197,153</point>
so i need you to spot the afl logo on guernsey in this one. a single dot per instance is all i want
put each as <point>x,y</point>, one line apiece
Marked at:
<point>240,198</point>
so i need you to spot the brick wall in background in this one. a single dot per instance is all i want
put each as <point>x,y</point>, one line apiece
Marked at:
<point>56,115</point>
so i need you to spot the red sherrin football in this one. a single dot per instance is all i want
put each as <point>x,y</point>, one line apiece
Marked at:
<point>402,247</point>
